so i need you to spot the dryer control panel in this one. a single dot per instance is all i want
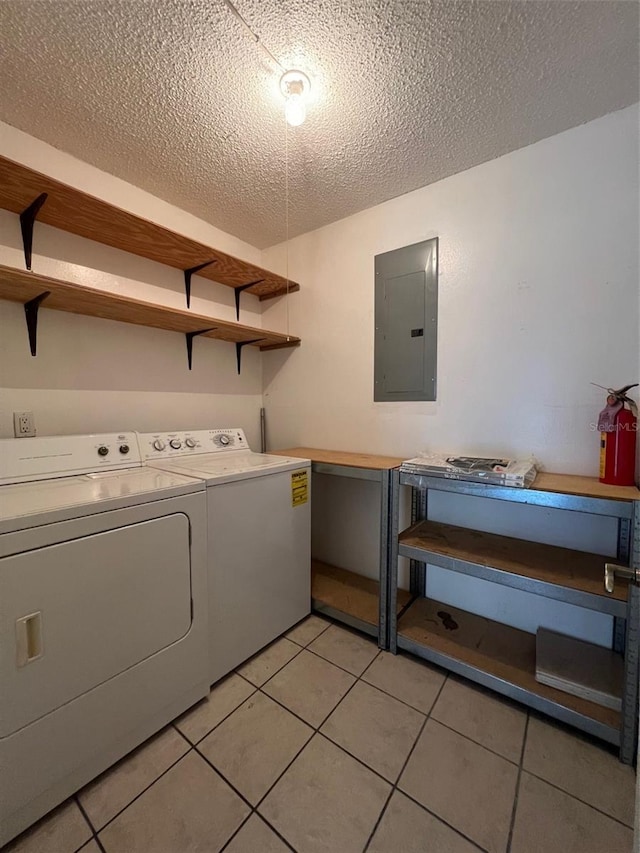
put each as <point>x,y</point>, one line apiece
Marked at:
<point>46,457</point>
<point>165,445</point>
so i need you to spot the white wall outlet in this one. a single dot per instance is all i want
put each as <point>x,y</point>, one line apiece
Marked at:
<point>24,425</point>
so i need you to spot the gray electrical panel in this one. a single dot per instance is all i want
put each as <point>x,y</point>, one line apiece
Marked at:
<point>406,338</point>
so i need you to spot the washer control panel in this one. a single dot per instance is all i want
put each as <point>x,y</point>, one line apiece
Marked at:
<point>165,445</point>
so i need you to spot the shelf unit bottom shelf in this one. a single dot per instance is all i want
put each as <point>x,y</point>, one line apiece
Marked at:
<point>348,596</point>
<point>497,656</point>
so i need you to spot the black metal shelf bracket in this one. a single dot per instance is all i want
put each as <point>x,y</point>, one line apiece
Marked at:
<point>31,315</point>
<point>187,278</point>
<point>238,290</point>
<point>189,336</point>
<point>27,219</point>
<point>239,346</point>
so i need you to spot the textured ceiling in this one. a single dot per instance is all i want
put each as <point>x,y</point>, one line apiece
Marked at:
<point>175,97</point>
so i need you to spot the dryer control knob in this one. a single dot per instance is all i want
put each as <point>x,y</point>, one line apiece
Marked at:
<point>175,443</point>
<point>159,444</point>
<point>102,450</point>
<point>190,442</point>
<point>124,449</point>
<point>224,440</point>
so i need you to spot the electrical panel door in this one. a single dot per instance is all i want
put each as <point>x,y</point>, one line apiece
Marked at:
<point>406,305</point>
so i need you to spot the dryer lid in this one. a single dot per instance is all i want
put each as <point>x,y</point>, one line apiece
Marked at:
<point>132,486</point>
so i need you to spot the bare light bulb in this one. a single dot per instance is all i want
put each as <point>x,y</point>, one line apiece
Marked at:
<point>295,110</point>
<point>295,86</point>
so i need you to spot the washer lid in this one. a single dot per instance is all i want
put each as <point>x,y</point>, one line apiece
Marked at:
<point>133,486</point>
<point>217,468</point>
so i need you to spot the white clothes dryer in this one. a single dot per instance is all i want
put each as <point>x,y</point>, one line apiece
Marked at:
<point>103,612</point>
<point>259,537</point>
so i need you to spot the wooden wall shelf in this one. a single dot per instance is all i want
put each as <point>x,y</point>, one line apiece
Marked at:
<point>27,288</point>
<point>82,214</point>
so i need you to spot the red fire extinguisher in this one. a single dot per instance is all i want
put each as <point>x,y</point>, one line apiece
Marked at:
<point>618,425</point>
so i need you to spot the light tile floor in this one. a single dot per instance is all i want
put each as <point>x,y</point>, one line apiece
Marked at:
<point>322,743</point>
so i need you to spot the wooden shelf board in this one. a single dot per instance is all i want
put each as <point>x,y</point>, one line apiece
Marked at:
<point>82,214</point>
<point>549,563</point>
<point>342,457</point>
<point>21,286</point>
<point>590,487</point>
<point>504,652</point>
<point>349,592</point>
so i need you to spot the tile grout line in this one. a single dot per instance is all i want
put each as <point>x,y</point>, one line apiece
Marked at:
<point>233,834</point>
<point>443,821</point>
<point>397,699</point>
<point>533,715</point>
<point>256,688</point>
<point>254,809</point>
<point>578,799</point>
<point>224,778</point>
<point>192,747</point>
<point>514,807</point>
<point>144,790</point>
<point>477,742</point>
<point>358,678</point>
<point>94,834</point>
<point>219,723</point>
<point>316,730</point>
<point>394,785</point>
<point>404,764</point>
<point>273,674</point>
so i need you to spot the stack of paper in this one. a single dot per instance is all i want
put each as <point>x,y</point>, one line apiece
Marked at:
<point>499,472</point>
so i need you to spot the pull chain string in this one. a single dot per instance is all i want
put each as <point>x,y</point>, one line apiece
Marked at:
<point>286,213</point>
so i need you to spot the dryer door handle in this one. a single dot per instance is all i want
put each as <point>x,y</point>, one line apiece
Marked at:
<point>28,638</point>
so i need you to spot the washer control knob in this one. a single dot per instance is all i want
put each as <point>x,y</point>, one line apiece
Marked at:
<point>159,444</point>
<point>190,442</point>
<point>124,449</point>
<point>224,440</point>
<point>175,443</point>
<point>102,450</point>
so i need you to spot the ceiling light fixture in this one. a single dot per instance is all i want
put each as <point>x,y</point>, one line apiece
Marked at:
<point>295,86</point>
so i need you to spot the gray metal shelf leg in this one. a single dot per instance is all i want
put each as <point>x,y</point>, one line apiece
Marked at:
<point>392,573</point>
<point>629,732</point>
<point>630,697</point>
<point>417,569</point>
<point>385,542</point>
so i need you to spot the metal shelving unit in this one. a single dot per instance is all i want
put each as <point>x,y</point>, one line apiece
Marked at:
<point>496,655</point>
<point>350,598</point>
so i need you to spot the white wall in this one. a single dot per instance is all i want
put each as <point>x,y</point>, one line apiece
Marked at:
<point>538,297</point>
<point>92,374</point>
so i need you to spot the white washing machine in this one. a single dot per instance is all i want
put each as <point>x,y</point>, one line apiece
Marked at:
<point>259,536</point>
<point>103,612</point>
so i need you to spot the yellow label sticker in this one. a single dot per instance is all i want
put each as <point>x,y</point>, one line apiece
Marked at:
<point>603,454</point>
<point>299,488</point>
